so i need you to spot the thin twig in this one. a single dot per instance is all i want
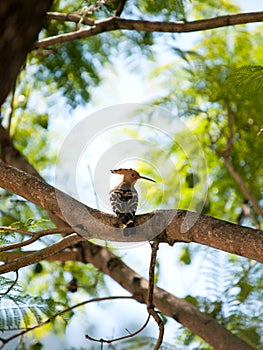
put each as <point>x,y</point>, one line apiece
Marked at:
<point>239,180</point>
<point>12,285</point>
<point>60,313</point>
<point>150,304</point>
<point>41,254</point>
<point>30,233</point>
<point>35,236</point>
<point>130,335</point>
<point>70,17</point>
<point>14,229</point>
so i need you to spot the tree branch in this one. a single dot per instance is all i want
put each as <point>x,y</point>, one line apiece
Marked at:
<point>21,21</point>
<point>120,8</point>
<point>35,236</point>
<point>42,254</point>
<point>236,176</point>
<point>116,23</point>
<point>70,17</point>
<point>60,313</point>
<point>179,225</point>
<point>10,155</point>
<point>178,309</point>
<point>130,335</point>
<point>150,296</point>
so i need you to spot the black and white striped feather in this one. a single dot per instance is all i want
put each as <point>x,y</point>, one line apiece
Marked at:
<point>124,202</point>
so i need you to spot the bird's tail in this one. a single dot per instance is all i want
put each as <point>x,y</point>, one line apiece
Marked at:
<point>128,222</point>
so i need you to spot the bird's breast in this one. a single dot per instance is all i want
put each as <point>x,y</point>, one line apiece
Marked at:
<point>124,199</point>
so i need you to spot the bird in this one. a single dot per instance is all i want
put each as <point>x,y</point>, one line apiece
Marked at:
<point>124,197</point>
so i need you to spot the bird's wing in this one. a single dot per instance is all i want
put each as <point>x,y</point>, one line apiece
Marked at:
<point>123,200</point>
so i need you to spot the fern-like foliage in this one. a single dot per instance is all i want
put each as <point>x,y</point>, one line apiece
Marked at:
<point>232,286</point>
<point>19,311</point>
<point>247,79</point>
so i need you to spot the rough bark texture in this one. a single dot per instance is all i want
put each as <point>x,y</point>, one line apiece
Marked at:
<point>171,225</point>
<point>20,23</point>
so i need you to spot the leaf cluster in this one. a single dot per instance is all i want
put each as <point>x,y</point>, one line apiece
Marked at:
<point>168,10</point>
<point>16,212</point>
<point>18,310</point>
<point>219,116</point>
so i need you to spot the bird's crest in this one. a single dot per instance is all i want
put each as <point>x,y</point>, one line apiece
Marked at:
<point>130,175</point>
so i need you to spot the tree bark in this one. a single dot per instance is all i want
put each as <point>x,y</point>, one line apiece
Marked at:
<point>116,23</point>
<point>20,23</point>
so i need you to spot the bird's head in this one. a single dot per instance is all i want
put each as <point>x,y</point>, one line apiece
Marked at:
<point>130,175</point>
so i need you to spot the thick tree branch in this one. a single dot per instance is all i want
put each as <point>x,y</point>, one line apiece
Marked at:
<point>20,23</point>
<point>178,309</point>
<point>68,254</point>
<point>179,225</point>
<point>116,23</point>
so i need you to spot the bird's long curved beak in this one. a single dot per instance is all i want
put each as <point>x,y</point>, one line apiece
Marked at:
<point>146,178</point>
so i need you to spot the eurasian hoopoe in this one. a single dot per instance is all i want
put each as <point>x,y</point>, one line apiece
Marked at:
<point>124,197</point>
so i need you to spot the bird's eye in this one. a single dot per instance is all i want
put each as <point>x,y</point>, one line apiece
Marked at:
<point>132,174</point>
